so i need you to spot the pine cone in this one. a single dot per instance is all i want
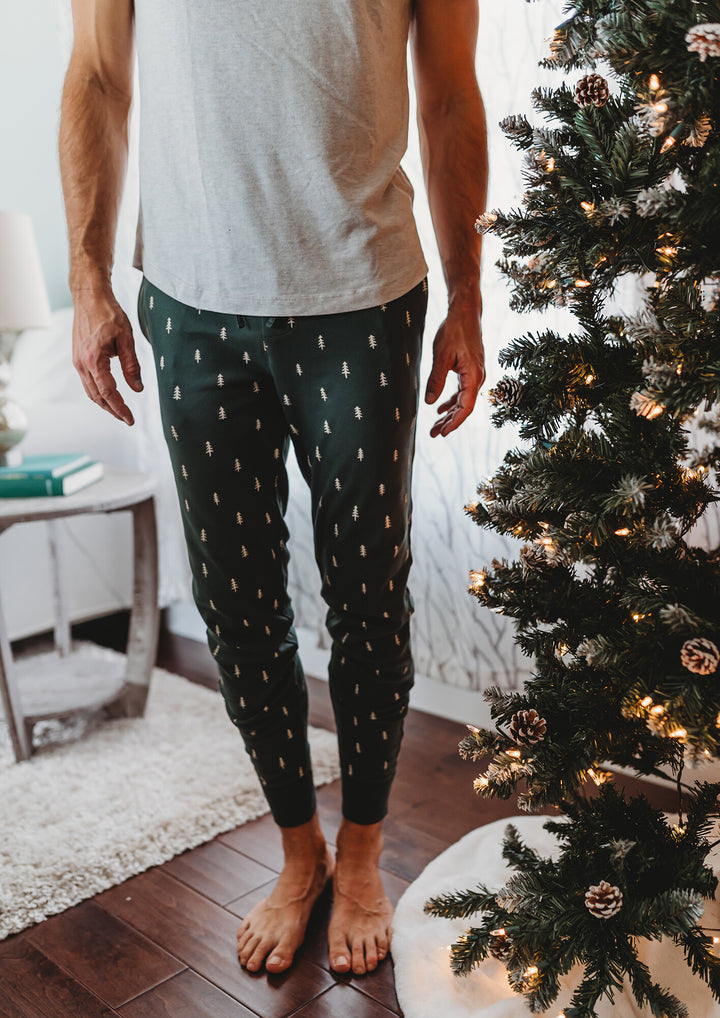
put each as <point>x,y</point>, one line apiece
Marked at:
<point>699,131</point>
<point>704,40</point>
<point>603,900</point>
<point>592,90</point>
<point>485,221</point>
<point>531,558</point>
<point>507,391</point>
<point>499,946</point>
<point>516,126</point>
<point>700,656</point>
<point>527,727</point>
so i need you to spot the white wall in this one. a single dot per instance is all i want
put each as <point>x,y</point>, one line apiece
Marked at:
<point>31,72</point>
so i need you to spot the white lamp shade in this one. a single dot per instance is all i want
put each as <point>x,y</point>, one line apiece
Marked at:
<point>23,298</point>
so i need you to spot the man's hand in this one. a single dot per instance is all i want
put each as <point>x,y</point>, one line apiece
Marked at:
<point>453,144</point>
<point>101,331</point>
<point>96,100</point>
<point>458,347</point>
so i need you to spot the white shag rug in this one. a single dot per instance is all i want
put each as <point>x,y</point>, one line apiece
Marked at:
<point>425,984</point>
<point>103,800</point>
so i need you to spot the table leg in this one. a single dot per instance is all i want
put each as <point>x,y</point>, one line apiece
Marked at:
<point>10,695</point>
<point>62,615</point>
<point>144,617</point>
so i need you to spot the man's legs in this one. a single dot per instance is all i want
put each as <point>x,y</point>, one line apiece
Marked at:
<point>349,398</point>
<point>349,385</point>
<point>227,438</point>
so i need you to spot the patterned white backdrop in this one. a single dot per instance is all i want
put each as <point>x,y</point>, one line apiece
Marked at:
<point>456,641</point>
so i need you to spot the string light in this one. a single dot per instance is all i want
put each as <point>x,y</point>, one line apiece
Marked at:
<point>582,283</point>
<point>623,532</point>
<point>667,144</point>
<point>498,933</point>
<point>588,207</point>
<point>658,710</point>
<point>550,166</point>
<point>646,702</point>
<point>589,379</point>
<point>532,971</point>
<point>669,252</point>
<point>474,729</point>
<point>481,782</point>
<point>477,579</point>
<point>679,733</point>
<point>514,753</point>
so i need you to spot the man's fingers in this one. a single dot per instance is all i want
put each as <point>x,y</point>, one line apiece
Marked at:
<point>460,405</point>
<point>102,331</point>
<point>103,383</point>
<point>129,363</point>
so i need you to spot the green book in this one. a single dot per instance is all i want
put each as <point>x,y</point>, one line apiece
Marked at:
<point>61,474</point>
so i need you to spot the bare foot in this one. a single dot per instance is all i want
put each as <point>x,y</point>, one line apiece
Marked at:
<point>274,930</point>
<point>360,926</point>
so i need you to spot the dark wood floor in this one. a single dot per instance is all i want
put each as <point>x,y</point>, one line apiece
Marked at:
<point>162,945</point>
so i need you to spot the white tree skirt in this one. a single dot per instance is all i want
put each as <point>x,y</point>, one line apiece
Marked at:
<point>426,986</point>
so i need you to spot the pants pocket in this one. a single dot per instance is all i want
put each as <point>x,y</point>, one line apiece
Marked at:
<point>141,313</point>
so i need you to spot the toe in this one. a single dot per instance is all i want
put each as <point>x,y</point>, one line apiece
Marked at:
<point>246,952</point>
<point>281,956</point>
<point>340,957</point>
<point>371,956</point>
<point>383,946</point>
<point>358,958</point>
<point>258,956</point>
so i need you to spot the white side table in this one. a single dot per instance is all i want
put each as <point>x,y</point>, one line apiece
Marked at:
<point>120,696</point>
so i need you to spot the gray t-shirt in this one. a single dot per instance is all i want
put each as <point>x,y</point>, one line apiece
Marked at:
<point>271,134</point>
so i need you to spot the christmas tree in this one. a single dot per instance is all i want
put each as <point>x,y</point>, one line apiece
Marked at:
<point>618,607</point>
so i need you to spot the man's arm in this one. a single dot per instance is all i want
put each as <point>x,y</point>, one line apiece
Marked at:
<point>453,143</point>
<point>93,156</point>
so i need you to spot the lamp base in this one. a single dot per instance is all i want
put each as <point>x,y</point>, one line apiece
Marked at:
<point>13,427</point>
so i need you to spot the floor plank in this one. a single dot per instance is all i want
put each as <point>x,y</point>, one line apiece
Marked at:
<point>260,839</point>
<point>109,957</point>
<point>186,996</point>
<point>33,986</point>
<point>203,935</point>
<point>343,1001</point>
<point>218,872</point>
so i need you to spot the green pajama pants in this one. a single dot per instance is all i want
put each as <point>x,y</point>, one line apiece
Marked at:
<point>234,391</point>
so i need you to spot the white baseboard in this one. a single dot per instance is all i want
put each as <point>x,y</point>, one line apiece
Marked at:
<point>451,702</point>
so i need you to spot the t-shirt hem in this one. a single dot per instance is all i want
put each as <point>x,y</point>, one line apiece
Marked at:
<point>299,304</point>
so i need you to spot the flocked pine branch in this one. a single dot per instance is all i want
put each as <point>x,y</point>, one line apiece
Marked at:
<point>617,606</point>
